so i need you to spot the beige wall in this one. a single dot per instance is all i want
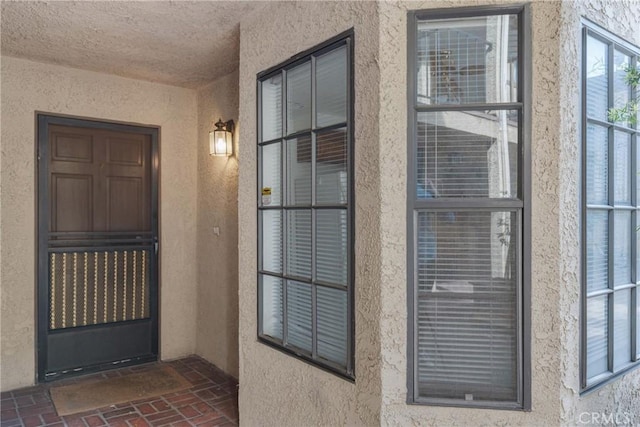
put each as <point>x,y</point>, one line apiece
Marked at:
<point>217,307</point>
<point>277,389</point>
<point>28,87</point>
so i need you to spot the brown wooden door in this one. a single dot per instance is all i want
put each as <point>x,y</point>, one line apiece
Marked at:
<point>100,180</point>
<point>98,245</point>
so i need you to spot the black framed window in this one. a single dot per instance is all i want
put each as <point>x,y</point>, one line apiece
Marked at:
<point>610,185</point>
<point>305,206</point>
<point>468,208</point>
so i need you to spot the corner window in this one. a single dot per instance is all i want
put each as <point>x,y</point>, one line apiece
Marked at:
<point>610,185</point>
<point>468,205</point>
<point>305,203</point>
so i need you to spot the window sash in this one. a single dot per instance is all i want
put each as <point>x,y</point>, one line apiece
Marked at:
<point>303,309</point>
<point>518,205</point>
<point>618,209</point>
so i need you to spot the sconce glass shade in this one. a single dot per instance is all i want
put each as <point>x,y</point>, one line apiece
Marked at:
<point>221,139</point>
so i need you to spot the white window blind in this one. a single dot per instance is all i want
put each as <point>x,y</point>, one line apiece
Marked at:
<point>467,317</point>
<point>304,203</point>
<point>467,199</point>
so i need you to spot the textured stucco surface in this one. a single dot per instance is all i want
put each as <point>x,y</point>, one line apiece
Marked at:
<point>620,398</point>
<point>183,43</point>
<point>217,321</point>
<point>28,87</point>
<point>277,389</point>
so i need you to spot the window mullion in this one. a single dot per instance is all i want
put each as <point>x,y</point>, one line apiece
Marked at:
<point>477,106</point>
<point>614,125</point>
<point>610,278</point>
<point>466,205</point>
<point>611,215</point>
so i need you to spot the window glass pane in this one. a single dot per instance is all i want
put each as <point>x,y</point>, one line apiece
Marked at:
<point>622,168</point>
<point>467,308</point>
<point>597,165</point>
<point>271,174</point>
<point>271,108</point>
<point>597,79</point>
<point>332,324</point>
<point>467,154</point>
<point>271,240</point>
<point>331,246</point>
<point>467,60</point>
<point>299,171</point>
<point>271,289</point>
<point>597,335</point>
<point>621,90</point>
<point>331,167</point>
<point>621,328</point>
<point>299,98</point>
<point>331,88</point>
<point>299,314</point>
<point>299,243</point>
<point>622,248</point>
<point>597,250</point>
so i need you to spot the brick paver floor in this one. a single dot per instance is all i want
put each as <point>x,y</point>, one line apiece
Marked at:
<point>212,401</point>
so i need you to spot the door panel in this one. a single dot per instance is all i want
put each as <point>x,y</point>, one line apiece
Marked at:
<point>72,148</point>
<point>70,349</point>
<point>97,246</point>
<point>124,202</point>
<point>72,190</point>
<point>125,151</point>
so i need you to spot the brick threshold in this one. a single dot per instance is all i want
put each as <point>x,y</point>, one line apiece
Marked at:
<point>212,401</point>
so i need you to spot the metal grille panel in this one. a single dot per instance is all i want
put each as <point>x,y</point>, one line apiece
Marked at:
<point>90,288</point>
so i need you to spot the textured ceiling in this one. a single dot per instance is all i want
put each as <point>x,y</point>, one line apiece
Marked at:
<point>182,43</point>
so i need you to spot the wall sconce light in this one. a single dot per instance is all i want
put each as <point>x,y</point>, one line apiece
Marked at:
<point>221,139</point>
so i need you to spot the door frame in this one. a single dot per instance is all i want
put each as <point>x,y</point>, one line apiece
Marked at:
<point>43,120</point>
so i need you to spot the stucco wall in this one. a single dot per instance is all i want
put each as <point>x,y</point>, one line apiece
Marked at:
<point>28,87</point>
<point>217,321</point>
<point>621,397</point>
<point>277,389</point>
